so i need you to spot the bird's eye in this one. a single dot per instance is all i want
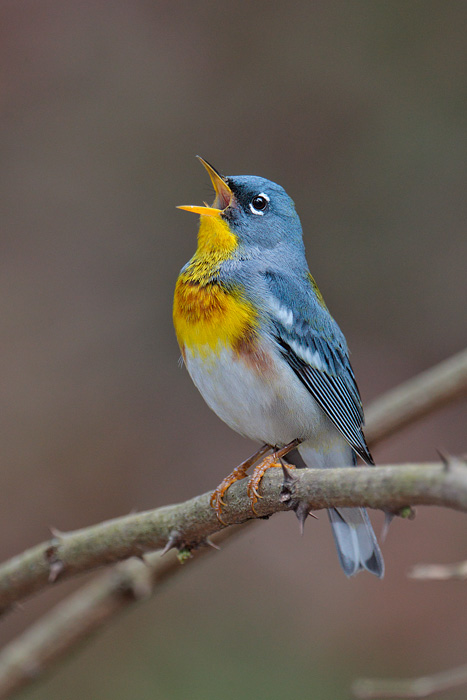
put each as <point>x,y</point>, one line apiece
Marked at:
<point>259,204</point>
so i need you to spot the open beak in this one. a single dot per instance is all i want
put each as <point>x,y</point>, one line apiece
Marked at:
<point>224,194</point>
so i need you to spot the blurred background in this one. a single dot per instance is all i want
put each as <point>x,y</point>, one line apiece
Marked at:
<point>359,110</point>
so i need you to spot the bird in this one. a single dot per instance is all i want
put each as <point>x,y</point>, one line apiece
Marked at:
<point>264,351</point>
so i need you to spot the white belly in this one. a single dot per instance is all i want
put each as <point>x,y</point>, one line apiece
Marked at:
<point>272,406</point>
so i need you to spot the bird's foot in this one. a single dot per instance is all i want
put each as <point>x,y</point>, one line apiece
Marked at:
<point>255,479</point>
<point>274,460</point>
<point>217,496</point>
<point>238,473</point>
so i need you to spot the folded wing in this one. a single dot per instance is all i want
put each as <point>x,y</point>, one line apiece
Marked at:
<point>314,347</point>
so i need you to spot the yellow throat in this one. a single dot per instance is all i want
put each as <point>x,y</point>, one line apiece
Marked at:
<point>208,316</point>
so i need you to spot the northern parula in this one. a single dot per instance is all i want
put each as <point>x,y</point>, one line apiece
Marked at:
<point>262,348</point>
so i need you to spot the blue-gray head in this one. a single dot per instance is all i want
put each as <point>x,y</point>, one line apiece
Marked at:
<point>256,210</point>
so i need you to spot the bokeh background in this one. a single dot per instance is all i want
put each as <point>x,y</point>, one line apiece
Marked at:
<point>359,110</point>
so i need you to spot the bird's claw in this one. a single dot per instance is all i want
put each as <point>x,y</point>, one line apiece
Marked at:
<point>274,460</point>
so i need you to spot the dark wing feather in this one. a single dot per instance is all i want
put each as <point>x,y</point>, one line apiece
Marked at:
<point>315,349</point>
<point>337,397</point>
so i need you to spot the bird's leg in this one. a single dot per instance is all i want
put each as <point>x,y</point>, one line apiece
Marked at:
<point>237,474</point>
<point>274,460</point>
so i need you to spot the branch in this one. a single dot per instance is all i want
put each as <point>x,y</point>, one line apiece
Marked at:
<point>189,524</point>
<point>84,612</point>
<point>422,687</point>
<point>417,397</point>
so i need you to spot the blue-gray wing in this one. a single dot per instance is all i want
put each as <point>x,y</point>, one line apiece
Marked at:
<point>313,345</point>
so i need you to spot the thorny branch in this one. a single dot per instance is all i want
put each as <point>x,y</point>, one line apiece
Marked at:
<point>71,553</point>
<point>187,525</point>
<point>79,615</point>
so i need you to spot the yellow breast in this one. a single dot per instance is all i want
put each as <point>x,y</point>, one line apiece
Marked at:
<point>207,316</point>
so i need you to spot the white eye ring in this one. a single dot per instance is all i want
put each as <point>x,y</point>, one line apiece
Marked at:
<point>259,212</point>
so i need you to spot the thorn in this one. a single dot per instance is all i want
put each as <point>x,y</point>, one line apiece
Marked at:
<point>173,540</point>
<point>406,512</point>
<point>56,568</point>
<point>388,518</point>
<point>449,461</point>
<point>289,476</point>
<point>286,468</point>
<point>212,544</point>
<point>302,512</point>
<point>446,460</point>
<point>287,487</point>
<point>55,532</point>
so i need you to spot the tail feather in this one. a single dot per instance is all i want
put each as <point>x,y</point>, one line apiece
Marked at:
<point>356,542</point>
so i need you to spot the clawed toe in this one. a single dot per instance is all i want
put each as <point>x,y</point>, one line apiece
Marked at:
<point>275,460</point>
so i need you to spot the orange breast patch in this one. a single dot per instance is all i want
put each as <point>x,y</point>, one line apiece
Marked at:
<point>207,317</point>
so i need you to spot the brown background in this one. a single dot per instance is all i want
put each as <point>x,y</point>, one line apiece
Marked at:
<point>358,110</point>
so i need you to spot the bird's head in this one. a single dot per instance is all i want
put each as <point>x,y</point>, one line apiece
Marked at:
<point>257,211</point>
